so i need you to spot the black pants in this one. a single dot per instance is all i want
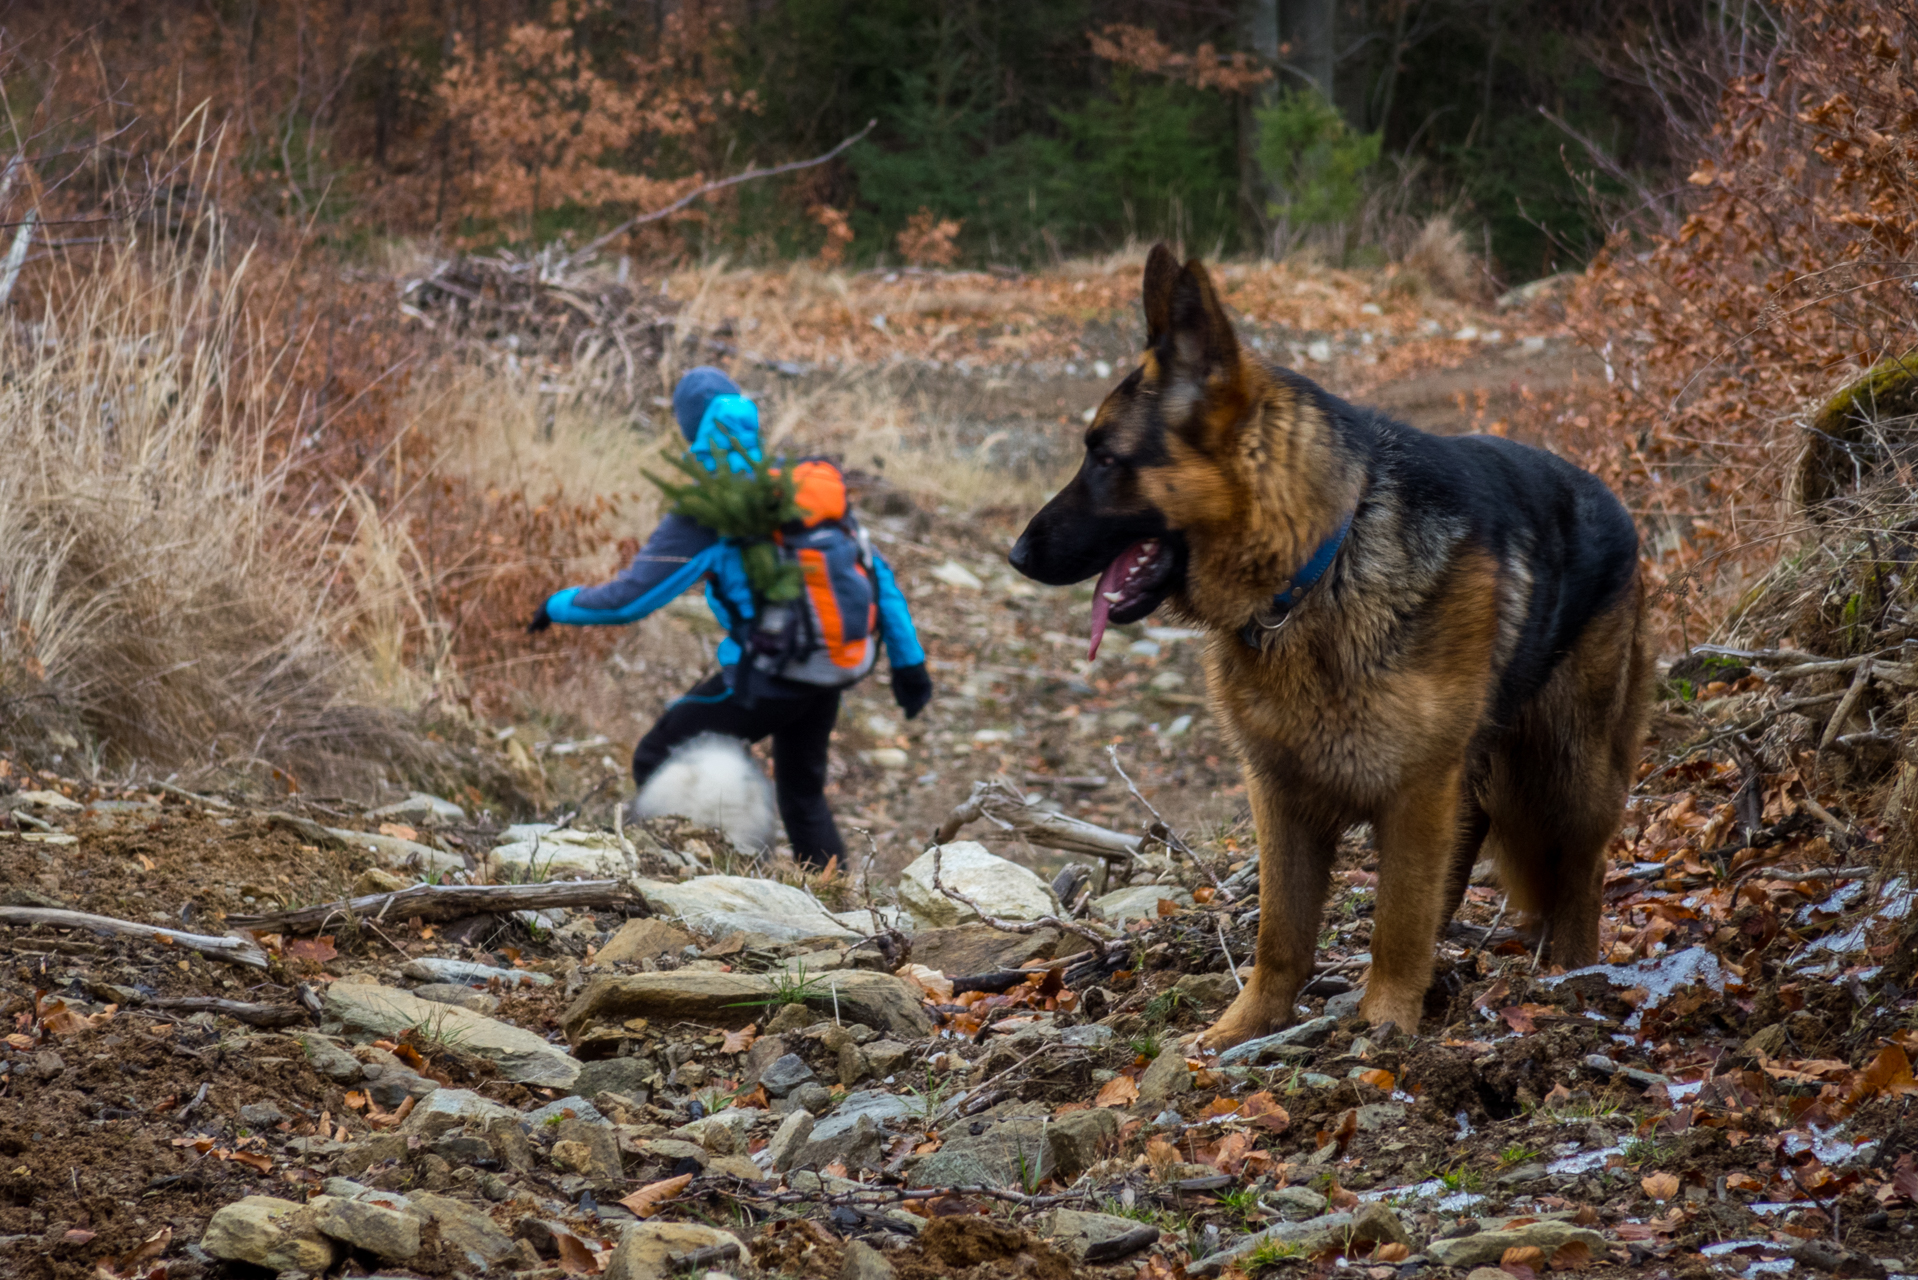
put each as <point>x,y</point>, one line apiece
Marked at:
<point>801,729</point>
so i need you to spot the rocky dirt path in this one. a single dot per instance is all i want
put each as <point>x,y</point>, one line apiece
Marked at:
<point>725,1074</point>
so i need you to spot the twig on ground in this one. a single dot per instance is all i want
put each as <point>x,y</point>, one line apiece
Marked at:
<point>1824,815</point>
<point>958,1105</point>
<point>1503,901</point>
<point>1013,926</point>
<point>181,793</point>
<point>231,948</point>
<point>1230,968</point>
<point>1000,803</point>
<point>1843,711</point>
<point>445,901</point>
<point>257,1015</point>
<point>1162,830</point>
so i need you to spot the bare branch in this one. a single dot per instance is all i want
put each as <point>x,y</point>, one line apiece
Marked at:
<point>794,166</point>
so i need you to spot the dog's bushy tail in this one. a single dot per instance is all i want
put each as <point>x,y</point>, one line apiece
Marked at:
<point>712,781</point>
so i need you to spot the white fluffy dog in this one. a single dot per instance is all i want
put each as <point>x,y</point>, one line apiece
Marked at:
<point>714,782</point>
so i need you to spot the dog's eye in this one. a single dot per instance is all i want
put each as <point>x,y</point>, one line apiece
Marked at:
<point>1105,459</point>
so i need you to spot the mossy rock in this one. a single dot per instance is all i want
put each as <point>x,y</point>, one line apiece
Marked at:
<point>1841,453</point>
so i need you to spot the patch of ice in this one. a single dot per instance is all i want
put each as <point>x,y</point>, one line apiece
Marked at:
<point>1659,977</point>
<point>1583,1162</point>
<point>1679,1090</point>
<point>1770,1267</point>
<point>1724,1247</point>
<point>1781,1206</point>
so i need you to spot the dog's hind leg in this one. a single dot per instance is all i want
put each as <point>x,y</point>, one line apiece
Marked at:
<point>1419,836</point>
<point>1295,869</point>
<point>1559,781</point>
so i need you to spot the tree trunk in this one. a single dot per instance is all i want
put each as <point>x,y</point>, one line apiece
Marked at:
<point>1260,35</point>
<point>1307,26</point>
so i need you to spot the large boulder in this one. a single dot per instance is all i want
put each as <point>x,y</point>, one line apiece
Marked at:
<point>1004,890</point>
<point>879,1000</point>
<point>373,1012</point>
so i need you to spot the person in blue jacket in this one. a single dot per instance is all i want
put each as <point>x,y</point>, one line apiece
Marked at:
<point>719,423</point>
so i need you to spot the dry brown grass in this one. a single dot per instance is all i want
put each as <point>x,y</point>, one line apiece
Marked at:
<point>159,607</point>
<point>1440,260</point>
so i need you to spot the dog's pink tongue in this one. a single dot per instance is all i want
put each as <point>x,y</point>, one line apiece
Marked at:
<point>1101,607</point>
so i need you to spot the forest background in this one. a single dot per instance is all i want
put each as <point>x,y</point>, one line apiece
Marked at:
<point>297,425</point>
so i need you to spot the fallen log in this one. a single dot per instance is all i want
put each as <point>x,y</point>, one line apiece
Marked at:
<point>443,902</point>
<point>231,948</point>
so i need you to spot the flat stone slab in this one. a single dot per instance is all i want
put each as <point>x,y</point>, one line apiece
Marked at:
<point>878,1000</point>
<point>1096,1237</point>
<point>1487,1247</point>
<point>442,969</point>
<point>1255,1051</point>
<point>1373,1222</point>
<point>522,1057</point>
<point>1140,902</point>
<point>979,948</point>
<point>1003,889</point>
<point>720,905</point>
<point>397,854</point>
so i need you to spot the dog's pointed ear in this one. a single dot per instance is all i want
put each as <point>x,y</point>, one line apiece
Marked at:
<point>1161,274</point>
<point>1202,341</point>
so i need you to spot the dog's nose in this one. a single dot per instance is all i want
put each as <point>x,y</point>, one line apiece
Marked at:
<point>1021,554</point>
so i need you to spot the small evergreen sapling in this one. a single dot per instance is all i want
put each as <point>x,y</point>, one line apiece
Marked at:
<point>745,506</point>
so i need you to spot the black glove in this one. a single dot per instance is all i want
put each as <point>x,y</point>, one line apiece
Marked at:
<point>911,689</point>
<point>540,622</point>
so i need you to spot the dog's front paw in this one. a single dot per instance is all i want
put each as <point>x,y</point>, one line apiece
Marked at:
<point>1255,1013</point>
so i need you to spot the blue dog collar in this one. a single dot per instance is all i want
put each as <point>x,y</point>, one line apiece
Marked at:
<point>1255,631</point>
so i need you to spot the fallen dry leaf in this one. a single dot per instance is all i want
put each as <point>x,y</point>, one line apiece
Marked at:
<point>741,1040</point>
<point>1574,1255</point>
<point>1660,1186</point>
<point>1378,1078</point>
<point>1743,1182</point>
<point>312,950</point>
<point>399,831</point>
<point>146,863</point>
<point>1263,1108</point>
<point>1119,1091</point>
<point>643,1202</point>
<point>252,1160</point>
<point>1523,1256</point>
<point>1392,1252</point>
<point>575,1259</point>
<point>357,1101</point>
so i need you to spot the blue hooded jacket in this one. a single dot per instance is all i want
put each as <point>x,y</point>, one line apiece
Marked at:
<point>717,420</point>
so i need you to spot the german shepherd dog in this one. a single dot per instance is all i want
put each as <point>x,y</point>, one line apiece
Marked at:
<point>1442,637</point>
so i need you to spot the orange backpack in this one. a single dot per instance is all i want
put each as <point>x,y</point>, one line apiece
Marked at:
<point>829,636</point>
